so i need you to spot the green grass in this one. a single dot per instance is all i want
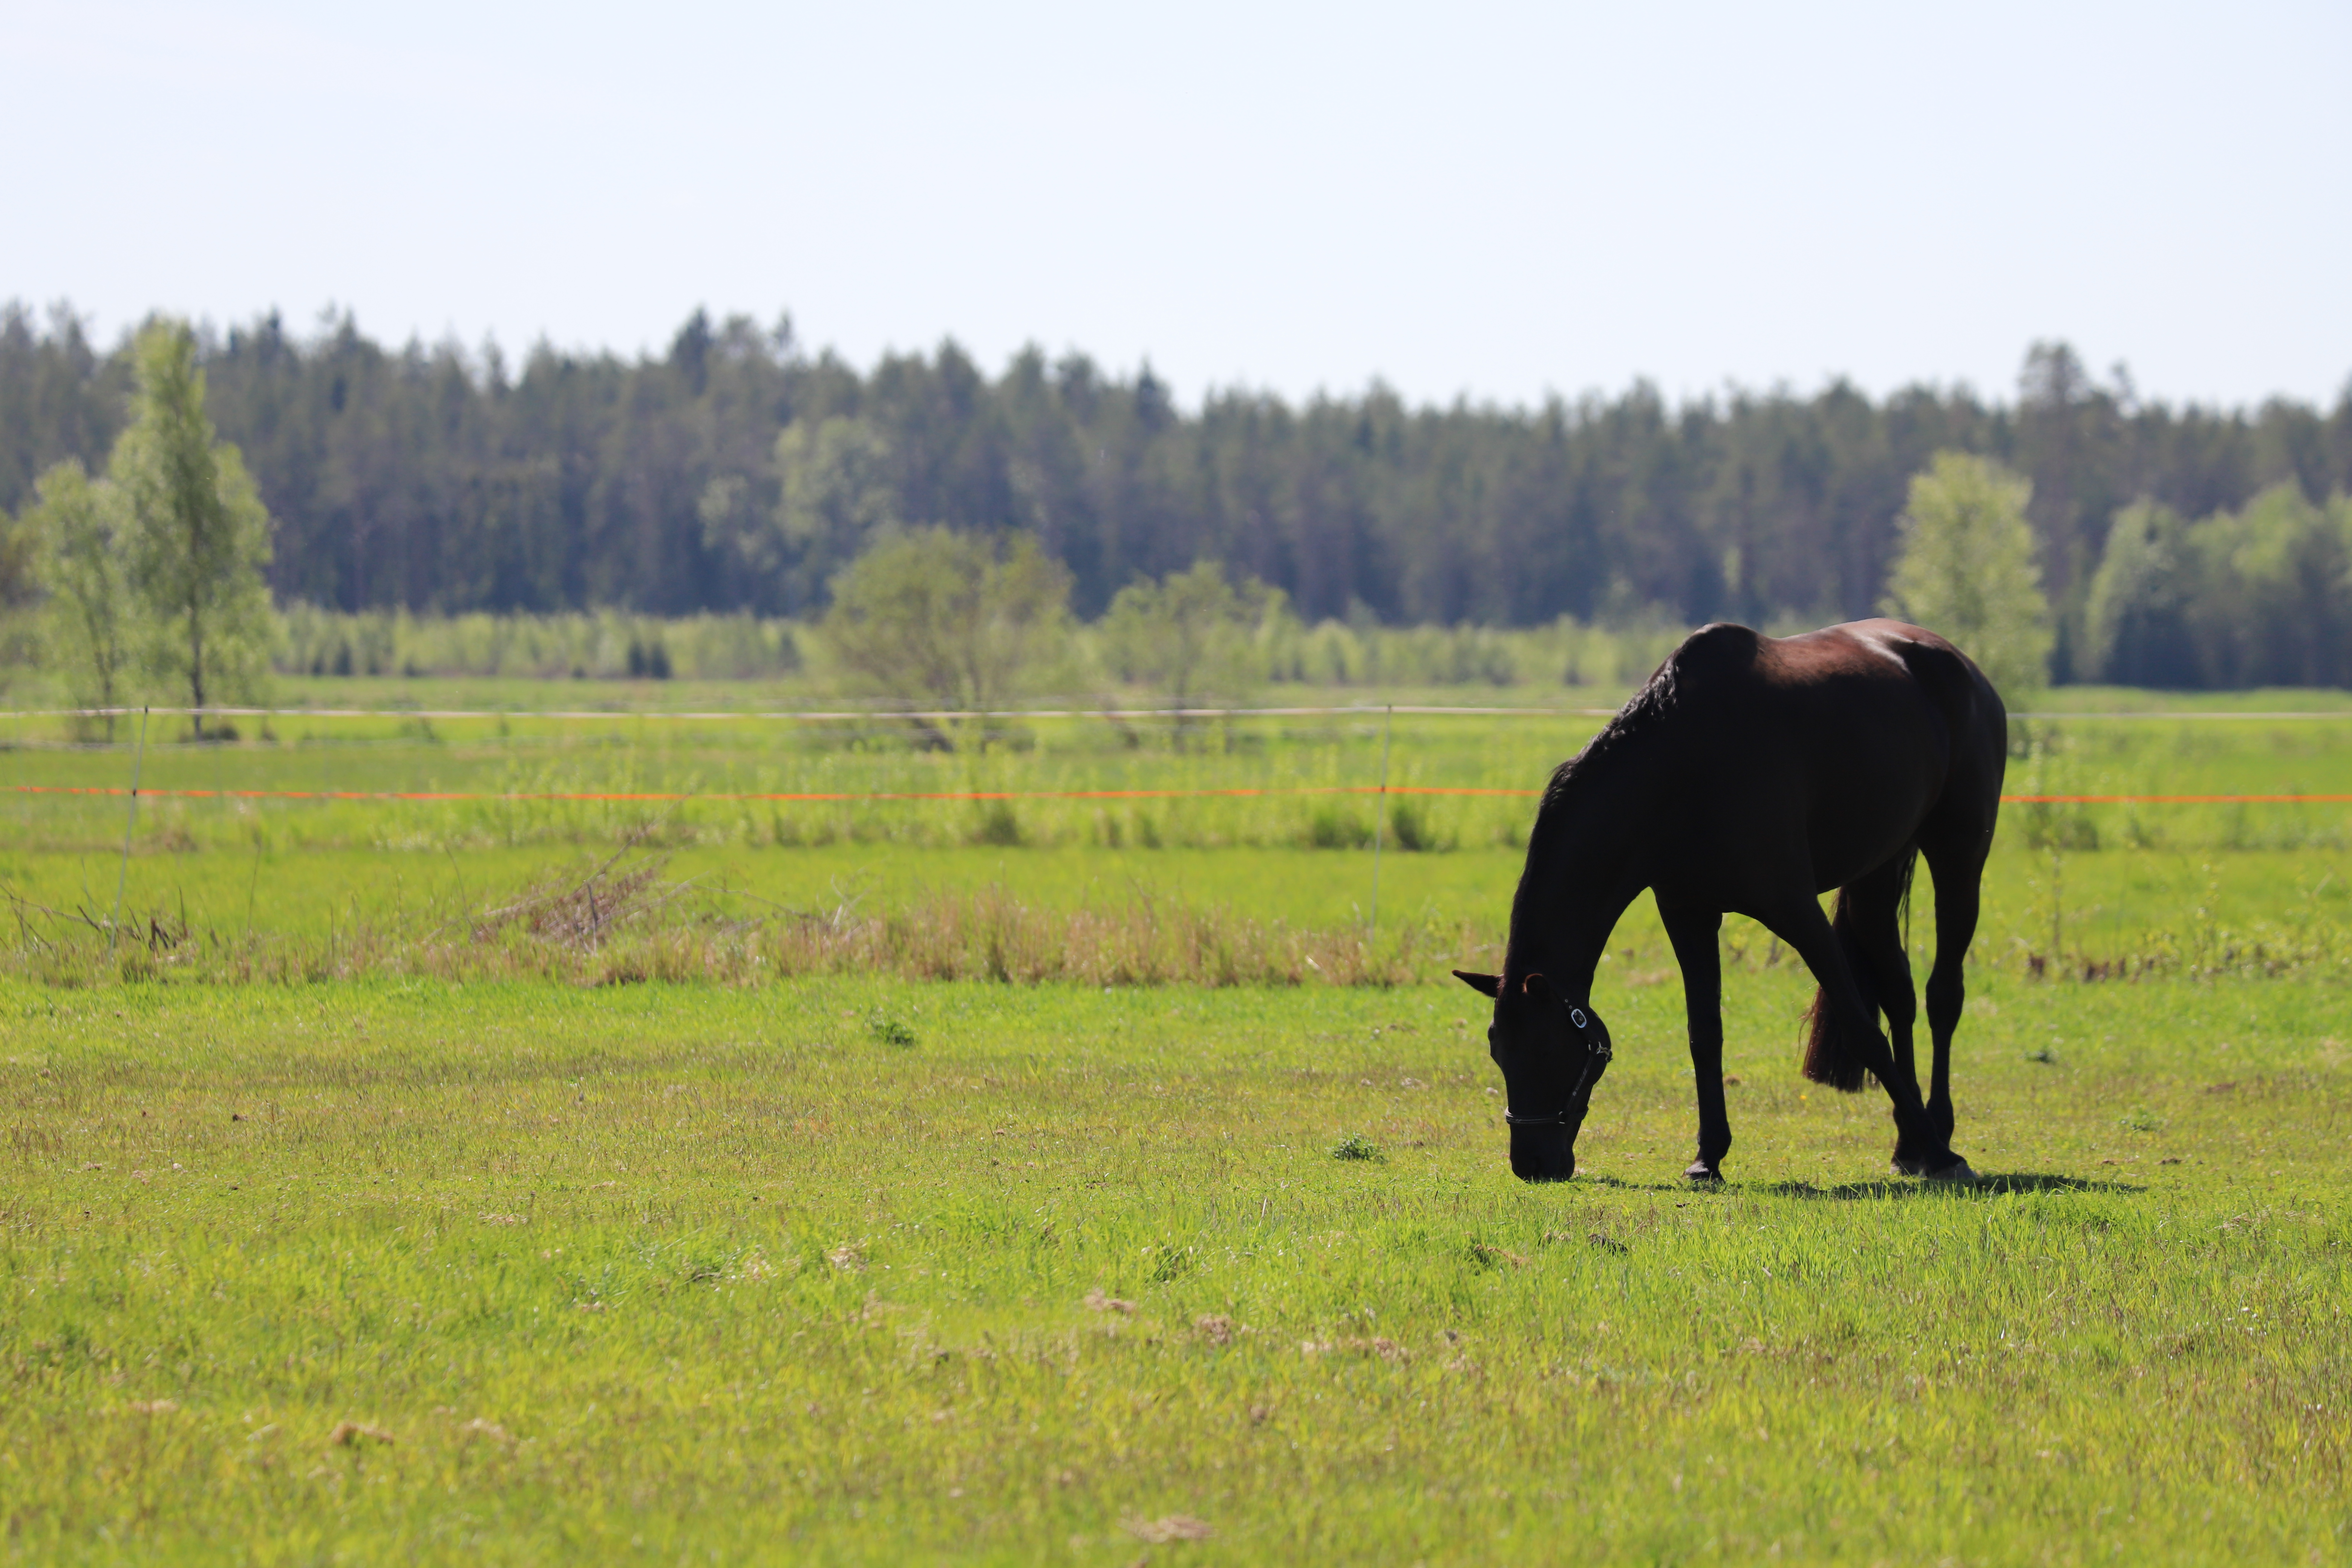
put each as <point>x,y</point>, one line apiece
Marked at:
<point>674,1272</point>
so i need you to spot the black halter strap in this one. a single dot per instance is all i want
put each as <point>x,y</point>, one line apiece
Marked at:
<point>1597,1056</point>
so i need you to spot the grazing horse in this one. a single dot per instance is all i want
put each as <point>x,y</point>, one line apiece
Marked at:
<point>1751,775</point>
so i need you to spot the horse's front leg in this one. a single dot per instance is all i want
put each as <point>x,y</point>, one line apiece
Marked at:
<point>1694,934</point>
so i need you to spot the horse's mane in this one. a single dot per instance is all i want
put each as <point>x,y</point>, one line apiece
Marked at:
<point>1641,713</point>
<point>1711,658</point>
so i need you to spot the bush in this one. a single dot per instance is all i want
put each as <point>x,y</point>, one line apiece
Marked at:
<point>890,1031</point>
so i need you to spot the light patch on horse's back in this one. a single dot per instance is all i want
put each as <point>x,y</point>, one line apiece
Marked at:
<point>1850,648</point>
<point>1893,641</point>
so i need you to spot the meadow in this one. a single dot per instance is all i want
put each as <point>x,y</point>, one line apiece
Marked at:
<point>765,820</point>
<point>342,1222</point>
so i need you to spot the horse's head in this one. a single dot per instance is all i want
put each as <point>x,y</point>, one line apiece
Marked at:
<point>1553,1051</point>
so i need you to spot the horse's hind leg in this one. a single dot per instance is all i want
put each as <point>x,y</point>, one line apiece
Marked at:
<point>1802,926</point>
<point>1870,919</point>
<point>1693,932</point>
<point>1955,870</point>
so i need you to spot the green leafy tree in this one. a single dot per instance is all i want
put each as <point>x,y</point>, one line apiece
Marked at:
<point>951,621</point>
<point>734,525</point>
<point>2274,606</point>
<point>835,500</point>
<point>198,535</point>
<point>89,632</point>
<point>836,496</point>
<point>20,549</point>
<point>1192,635</point>
<point>20,591</point>
<point>1967,571</point>
<point>2137,618</point>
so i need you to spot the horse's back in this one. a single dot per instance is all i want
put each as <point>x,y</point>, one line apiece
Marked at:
<point>1856,736</point>
<point>1870,683</point>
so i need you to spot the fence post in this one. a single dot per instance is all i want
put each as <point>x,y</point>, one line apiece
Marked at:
<point>1381,817</point>
<point>138,761</point>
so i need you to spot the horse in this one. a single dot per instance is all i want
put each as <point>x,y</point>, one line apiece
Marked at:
<point>1750,775</point>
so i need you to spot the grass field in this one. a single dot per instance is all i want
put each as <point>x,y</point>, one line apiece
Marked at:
<point>700,1273</point>
<point>408,1258</point>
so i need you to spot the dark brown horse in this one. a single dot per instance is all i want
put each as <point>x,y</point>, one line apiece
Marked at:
<point>1751,774</point>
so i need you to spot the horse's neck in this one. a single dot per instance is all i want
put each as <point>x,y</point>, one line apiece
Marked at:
<point>1582,871</point>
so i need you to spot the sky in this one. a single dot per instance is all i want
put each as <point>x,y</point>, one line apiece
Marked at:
<point>1496,202</point>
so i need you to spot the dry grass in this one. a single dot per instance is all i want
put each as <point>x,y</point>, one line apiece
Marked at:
<point>623,923</point>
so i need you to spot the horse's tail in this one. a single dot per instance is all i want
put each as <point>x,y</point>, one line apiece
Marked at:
<point>1833,1055</point>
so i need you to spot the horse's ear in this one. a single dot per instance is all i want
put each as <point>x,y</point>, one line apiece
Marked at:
<point>1485,984</point>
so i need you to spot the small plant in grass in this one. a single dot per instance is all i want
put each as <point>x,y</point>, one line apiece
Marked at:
<point>1332,828</point>
<point>2044,1054</point>
<point>890,1031</point>
<point>997,825</point>
<point>1356,1146</point>
<point>1410,828</point>
<point>2140,1119</point>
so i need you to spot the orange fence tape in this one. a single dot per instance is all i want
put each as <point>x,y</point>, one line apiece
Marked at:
<point>2166,799</point>
<point>119,790</point>
<point>943,715</point>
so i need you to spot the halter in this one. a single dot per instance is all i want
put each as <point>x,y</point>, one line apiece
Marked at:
<point>1580,1094</point>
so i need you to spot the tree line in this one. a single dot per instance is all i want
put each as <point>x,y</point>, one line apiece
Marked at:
<point>738,471</point>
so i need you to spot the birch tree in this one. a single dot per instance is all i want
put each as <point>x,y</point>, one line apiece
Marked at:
<point>1968,571</point>
<point>198,535</point>
<point>88,621</point>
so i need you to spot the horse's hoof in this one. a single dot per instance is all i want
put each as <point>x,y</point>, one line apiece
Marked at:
<point>1700,1170</point>
<point>1957,1171</point>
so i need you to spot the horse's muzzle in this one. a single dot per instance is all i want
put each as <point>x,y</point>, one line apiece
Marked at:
<point>1542,1154</point>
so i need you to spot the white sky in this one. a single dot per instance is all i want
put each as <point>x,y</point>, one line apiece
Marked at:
<point>1492,199</point>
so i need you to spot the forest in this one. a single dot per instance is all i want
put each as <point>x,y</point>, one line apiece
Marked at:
<point>739,470</point>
